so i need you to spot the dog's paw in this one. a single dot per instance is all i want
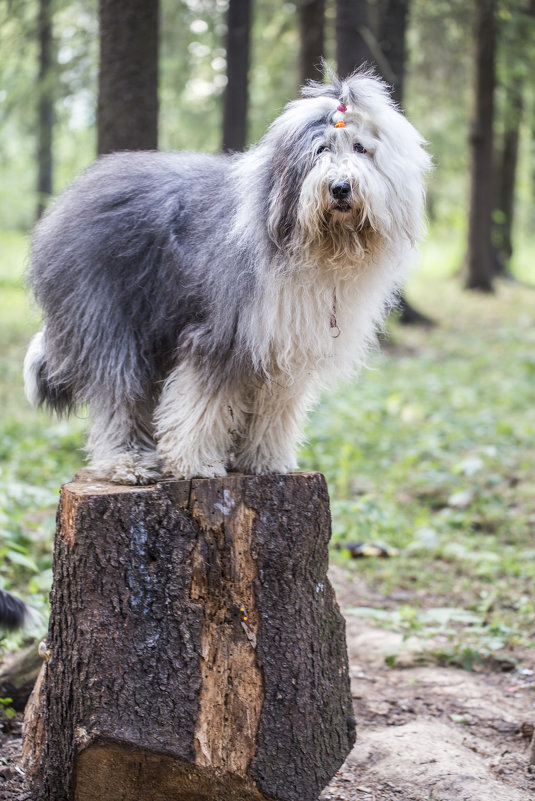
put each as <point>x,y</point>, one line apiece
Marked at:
<point>184,469</point>
<point>125,468</point>
<point>253,465</point>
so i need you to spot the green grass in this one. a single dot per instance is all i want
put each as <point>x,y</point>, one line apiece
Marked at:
<point>429,452</point>
<point>37,453</point>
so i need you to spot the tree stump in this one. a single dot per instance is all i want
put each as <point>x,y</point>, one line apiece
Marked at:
<point>196,650</point>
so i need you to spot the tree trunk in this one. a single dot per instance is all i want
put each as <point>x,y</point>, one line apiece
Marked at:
<point>504,210</point>
<point>311,39</point>
<point>480,254</point>
<point>392,40</point>
<point>356,42</point>
<point>127,111</point>
<point>409,315</point>
<point>197,652</point>
<point>236,92</point>
<point>45,112</point>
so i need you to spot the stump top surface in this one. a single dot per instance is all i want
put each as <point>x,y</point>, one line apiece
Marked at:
<point>91,486</point>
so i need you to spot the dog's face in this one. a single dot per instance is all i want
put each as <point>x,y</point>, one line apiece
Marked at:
<point>347,172</point>
<point>341,179</point>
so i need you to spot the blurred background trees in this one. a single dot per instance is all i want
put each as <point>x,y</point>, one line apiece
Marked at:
<point>236,90</point>
<point>480,253</point>
<point>127,107</point>
<point>311,38</point>
<point>46,72</point>
<point>212,74</point>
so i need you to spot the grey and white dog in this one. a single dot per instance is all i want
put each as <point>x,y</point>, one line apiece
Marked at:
<point>197,302</point>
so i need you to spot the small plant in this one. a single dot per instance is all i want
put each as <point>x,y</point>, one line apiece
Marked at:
<point>6,710</point>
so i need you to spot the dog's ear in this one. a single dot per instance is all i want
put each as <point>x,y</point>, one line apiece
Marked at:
<point>292,140</point>
<point>286,179</point>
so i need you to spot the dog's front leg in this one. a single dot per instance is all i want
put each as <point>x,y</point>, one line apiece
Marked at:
<point>193,425</point>
<point>273,429</point>
<point>121,446</point>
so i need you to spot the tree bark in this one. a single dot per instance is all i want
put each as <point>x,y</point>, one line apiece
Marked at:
<point>236,92</point>
<point>356,42</point>
<point>480,254</point>
<point>392,41</point>
<point>311,39</point>
<point>45,111</point>
<point>196,647</point>
<point>503,225</point>
<point>127,112</point>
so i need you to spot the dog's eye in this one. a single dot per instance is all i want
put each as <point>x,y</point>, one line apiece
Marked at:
<point>322,149</point>
<point>358,148</point>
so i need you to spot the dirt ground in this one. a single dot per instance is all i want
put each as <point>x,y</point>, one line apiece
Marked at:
<point>430,732</point>
<point>425,733</point>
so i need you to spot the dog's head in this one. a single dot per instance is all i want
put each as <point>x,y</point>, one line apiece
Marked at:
<point>347,170</point>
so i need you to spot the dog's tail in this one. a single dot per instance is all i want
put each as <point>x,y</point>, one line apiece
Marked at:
<point>39,387</point>
<point>13,611</point>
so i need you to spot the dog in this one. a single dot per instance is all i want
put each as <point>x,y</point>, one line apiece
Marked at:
<point>13,611</point>
<point>196,303</point>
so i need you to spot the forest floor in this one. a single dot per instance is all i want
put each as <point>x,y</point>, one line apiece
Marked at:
<point>426,731</point>
<point>431,731</point>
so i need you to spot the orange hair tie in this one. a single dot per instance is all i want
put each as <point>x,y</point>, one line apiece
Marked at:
<point>340,124</point>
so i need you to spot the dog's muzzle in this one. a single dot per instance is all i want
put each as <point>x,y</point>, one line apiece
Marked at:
<point>341,195</point>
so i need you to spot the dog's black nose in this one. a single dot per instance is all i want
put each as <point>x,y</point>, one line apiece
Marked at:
<point>341,190</point>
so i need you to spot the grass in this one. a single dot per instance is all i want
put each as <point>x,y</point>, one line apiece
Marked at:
<point>429,453</point>
<point>37,454</point>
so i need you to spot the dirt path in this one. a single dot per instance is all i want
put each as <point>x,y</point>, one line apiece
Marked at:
<point>425,733</point>
<point>428,732</point>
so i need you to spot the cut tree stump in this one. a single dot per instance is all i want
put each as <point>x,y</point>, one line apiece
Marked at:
<point>196,650</point>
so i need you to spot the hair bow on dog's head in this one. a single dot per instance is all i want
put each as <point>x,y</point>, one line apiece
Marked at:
<point>341,107</point>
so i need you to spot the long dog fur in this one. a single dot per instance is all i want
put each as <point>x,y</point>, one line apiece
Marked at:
<point>197,302</point>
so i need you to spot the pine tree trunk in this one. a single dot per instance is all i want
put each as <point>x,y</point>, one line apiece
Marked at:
<point>392,40</point>
<point>356,43</point>
<point>503,225</point>
<point>127,113</point>
<point>236,92</point>
<point>480,255</point>
<point>197,652</point>
<point>45,114</point>
<point>311,39</point>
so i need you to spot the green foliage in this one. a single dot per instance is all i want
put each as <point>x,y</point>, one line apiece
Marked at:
<point>36,453</point>
<point>6,710</point>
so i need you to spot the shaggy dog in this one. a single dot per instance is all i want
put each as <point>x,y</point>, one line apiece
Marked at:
<point>197,302</point>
